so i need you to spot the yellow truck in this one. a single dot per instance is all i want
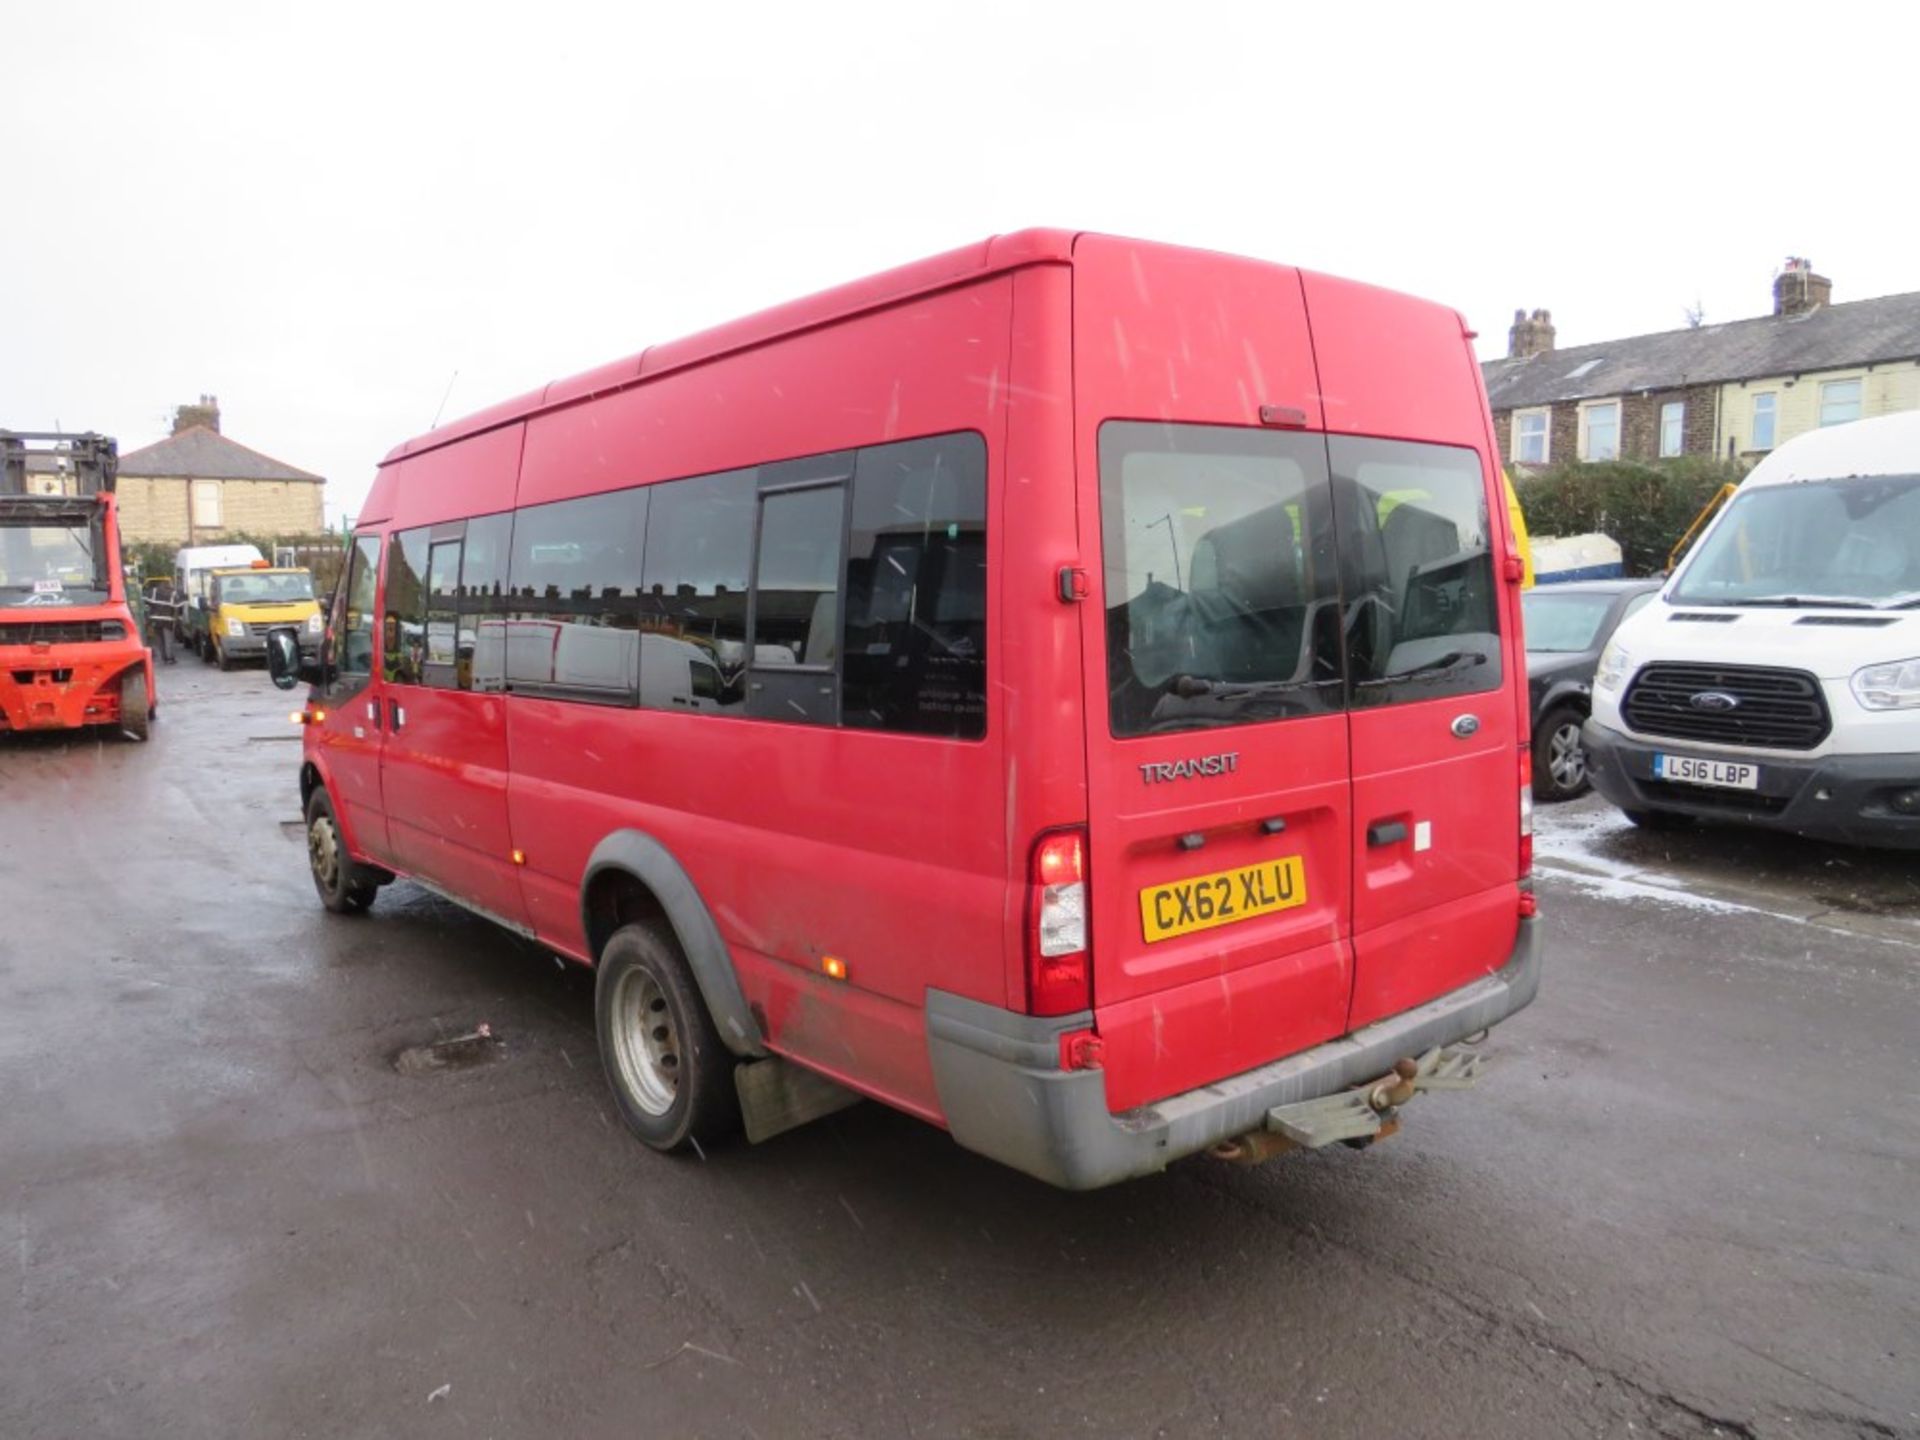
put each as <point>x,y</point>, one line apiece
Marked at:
<point>244,606</point>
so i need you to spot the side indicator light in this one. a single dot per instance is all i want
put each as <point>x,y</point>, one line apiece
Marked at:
<point>833,967</point>
<point>519,857</point>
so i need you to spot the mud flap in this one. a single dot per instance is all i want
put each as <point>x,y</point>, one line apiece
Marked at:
<point>777,1096</point>
<point>1362,1113</point>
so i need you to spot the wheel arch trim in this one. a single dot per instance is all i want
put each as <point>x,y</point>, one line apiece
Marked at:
<point>643,858</point>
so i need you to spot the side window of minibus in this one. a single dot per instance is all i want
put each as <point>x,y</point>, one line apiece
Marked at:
<point>441,667</point>
<point>916,631</point>
<point>693,626</point>
<point>404,633</point>
<point>573,619</point>
<point>482,639</point>
<point>794,614</point>
<point>353,618</point>
<point>1416,550</point>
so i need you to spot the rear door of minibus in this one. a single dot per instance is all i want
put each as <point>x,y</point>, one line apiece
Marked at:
<point>1220,859</point>
<point>1435,670</point>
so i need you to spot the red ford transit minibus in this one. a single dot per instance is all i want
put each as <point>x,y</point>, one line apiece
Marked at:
<point>1069,689</point>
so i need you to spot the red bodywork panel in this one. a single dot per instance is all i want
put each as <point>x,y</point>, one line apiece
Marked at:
<point>902,856</point>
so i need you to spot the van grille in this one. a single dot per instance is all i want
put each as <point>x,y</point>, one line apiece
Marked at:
<point>51,632</point>
<point>1775,709</point>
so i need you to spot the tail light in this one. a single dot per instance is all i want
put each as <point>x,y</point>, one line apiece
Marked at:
<point>1526,813</point>
<point>1059,963</point>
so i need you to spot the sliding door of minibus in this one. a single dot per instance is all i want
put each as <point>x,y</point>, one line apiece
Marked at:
<point>1432,665</point>
<point>445,768</point>
<point>1217,750</point>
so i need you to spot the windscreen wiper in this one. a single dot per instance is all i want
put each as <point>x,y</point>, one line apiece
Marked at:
<point>1900,602</point>
<point>1196,687</point>
<point>1432,670</point>
<point>1807,602</point>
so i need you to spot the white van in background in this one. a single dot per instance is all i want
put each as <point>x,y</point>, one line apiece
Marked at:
<point>1776,680</point>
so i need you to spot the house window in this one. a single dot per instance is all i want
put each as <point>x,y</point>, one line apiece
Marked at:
<point>1530,437</point>
<point>206,504</point>
<point>1673,428</point>
<point>1764,405</point>
<point>1600,430</point>
<point>1839,401</point>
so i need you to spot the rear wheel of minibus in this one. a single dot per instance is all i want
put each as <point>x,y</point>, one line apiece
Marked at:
<point>670,1073</point>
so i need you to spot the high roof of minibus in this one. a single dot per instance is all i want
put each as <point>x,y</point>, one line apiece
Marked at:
<point>939,272</point>
<point>1885,445</point>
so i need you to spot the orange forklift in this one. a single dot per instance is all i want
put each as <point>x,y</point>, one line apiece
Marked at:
<point>71,654</point>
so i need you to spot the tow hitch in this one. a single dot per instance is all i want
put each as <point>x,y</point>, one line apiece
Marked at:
<point>1356,1117</point>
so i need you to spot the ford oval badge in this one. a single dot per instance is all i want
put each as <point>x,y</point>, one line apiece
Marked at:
<point>1716,701</point>
<point>1465,725</point>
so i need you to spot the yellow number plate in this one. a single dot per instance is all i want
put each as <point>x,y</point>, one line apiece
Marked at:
<point>1209,900</point>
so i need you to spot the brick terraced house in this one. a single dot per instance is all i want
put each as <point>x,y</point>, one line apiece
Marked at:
<point>198,487</point>
<point>1734,390</point>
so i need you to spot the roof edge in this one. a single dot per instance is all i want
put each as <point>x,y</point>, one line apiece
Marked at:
<point>995,255</point>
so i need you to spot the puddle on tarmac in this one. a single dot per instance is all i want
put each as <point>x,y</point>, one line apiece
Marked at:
<point>462,1052</point>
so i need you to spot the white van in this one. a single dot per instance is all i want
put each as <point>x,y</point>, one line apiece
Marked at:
<point>1776,680</point>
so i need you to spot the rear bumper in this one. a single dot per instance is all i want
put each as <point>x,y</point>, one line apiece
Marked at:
<point>41,691</point>
<point>1005,1096</point>
<point>1839,797</point>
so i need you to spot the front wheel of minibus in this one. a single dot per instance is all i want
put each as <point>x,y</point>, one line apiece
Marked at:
<point>344,888</point>
<point>670,1073</point>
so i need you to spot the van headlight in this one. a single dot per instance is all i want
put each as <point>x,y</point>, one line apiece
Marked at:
<point>1892,686</point>
<point>236,627</point>
<point>1614,665</point>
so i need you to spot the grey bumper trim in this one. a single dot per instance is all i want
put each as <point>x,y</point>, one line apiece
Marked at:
<point>1005,1096</point>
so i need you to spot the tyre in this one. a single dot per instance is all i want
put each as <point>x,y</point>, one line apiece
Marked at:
<point>1659,819</point>
<point>671,1076</point>
<point>221,658</point>
<point>1559,755</point>
<point>136,705</point>
<point>344,887</point>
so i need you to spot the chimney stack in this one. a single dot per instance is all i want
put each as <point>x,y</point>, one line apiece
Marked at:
<point>1798,291</point>
<point>1530,335</point>
<point>206,413</point>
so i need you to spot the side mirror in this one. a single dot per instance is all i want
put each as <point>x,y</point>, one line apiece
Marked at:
<point>283,659</point>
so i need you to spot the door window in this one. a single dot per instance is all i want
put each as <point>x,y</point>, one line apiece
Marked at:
<point>443,648</point>
<point>482,601</point>
<point>353,616</point>
<point>1221,581</point>
<point>404,654</point>
<point>1421,600</point>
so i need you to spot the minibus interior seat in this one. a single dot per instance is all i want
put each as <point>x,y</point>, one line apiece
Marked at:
<point>1248,603</point>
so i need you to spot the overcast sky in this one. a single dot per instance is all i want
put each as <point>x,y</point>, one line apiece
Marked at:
<point>322,215</point>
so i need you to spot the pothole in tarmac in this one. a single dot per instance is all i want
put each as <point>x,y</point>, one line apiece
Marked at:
<point>479,1046</point>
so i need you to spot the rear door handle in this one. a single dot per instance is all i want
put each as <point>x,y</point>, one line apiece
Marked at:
<point>396,717</point>
<point>1386,832</point>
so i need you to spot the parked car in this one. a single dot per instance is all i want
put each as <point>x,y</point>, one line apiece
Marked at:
<point>1567,628</point>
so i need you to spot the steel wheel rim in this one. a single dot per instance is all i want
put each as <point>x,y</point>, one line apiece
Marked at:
<point>1567,757</point>
<point>323,851</point>
<point>646,1042</point>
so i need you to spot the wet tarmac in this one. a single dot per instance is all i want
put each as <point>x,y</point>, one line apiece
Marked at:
<point>1681,1203</point>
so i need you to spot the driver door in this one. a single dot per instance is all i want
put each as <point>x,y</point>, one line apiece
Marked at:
<point>352,737</point>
